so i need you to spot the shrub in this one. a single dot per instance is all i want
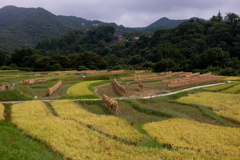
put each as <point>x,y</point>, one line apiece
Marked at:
<point>229,72</point>
<point>6,68</point>
<point>81,68</point>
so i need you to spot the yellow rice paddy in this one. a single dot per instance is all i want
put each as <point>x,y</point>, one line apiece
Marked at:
<point>234,89</point>
<point>81,89</point>
<point>1,112</point>
<point>110,125</point>
<point>223,104</point>
<point>75,141</point>
<point>185,134</point>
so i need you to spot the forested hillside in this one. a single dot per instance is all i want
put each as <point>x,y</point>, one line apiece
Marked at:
<point>24,27</point>
<point>195,45</point>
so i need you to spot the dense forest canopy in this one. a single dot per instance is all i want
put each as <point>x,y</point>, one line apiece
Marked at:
<point>194,45</point>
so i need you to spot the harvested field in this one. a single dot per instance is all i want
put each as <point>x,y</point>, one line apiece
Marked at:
<point>134,115</point>
<point>189,112</point>
<point>128,112</point>
<point>43,92</point>
<point>132,91</point>
<point>156,85</point>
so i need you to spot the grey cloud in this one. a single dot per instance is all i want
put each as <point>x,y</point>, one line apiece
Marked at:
<point>132,13</point>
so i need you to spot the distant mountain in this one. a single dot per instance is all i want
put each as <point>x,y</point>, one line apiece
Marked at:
<point>24,27</point>
<point>9,15</point>
<point>165,22</point>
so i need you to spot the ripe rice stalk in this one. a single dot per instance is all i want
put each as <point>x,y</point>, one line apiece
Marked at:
<point>2,112</point>
<point>111,125</point>
<point>234,89</point>
<point>81,89</point>
<point>75,141</point>
<point>196,136</point>
<point>223,104</point>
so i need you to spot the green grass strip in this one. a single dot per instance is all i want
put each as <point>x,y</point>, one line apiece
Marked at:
<point>152,111</point>
<point>14,144</point>
<point>49,85</point>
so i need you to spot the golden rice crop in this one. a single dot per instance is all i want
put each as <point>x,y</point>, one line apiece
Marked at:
<point>189,134</point>
<point>232,78</point>
<point>219,87</point>
<point>81,89</point>
<point>111,125</point>
<point>75,141</point>
<point>234,89</point>
<point>223,104</point>
<point>1,112</point>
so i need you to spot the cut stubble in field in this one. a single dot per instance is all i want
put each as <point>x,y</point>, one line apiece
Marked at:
<point>187,111</point>
<point>43,92</point>
<point>132,91</point>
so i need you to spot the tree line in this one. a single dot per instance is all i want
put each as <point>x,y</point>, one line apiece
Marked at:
<point>194,45</point>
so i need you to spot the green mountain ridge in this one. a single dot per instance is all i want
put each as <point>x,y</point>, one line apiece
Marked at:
<point>24,27</point>
<point>10,15</point>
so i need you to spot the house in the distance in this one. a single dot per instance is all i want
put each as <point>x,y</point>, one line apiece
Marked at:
<point>136,37</point>
<point>119,37</point>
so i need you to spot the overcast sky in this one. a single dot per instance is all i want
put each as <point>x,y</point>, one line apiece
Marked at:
<point>131,13</point>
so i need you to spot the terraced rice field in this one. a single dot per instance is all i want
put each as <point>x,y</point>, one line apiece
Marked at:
<point>69,130</point>
<point>219,87</point>
<point>189,112</point>
<point>75,141</point>
<point>110,125</point>
<point>81,89</point>
<point>223,104</point>
<point>234,89</point>
<point>203,137</point>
